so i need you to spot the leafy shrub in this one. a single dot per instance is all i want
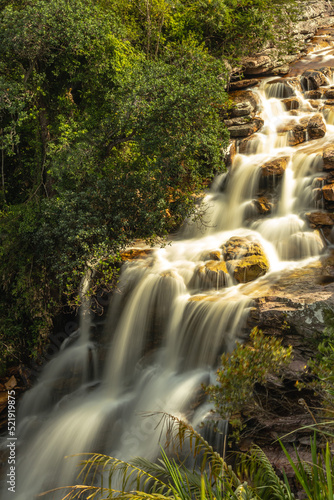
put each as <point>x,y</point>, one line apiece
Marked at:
<point>240,370</point>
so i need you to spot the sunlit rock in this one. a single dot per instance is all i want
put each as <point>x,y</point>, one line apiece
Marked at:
<point>213,255</point>
<point>307,128</point>
<point>263,206</point>
<point>248,268</point>
<point>316,127</point>
<point>243,84</point>
<point>328,157</point>
<point>243,98</point>
<point>246,129</point>
<point>291,103</point>
<point>275,168</point>
<point>136,253</point>
<point>213,274</point>
<point>328,192</point>
<point>329,94</point>
<point>312,80</point>
<point>314,94</point>
<point>249,145</point>
<point>239,247</point>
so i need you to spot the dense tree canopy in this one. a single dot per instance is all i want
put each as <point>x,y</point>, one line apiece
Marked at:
<point>110,120</point>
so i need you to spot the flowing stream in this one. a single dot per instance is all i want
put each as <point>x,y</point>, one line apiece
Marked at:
<point>167,326</point>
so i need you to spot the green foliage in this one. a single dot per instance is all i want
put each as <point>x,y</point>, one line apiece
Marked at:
<point>249,364</point>
<point>228,28</point>
<point>321,366</point>
<point>317,477</point>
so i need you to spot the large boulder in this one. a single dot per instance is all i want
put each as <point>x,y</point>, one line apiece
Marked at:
<point>314,94</point>
<point>245,259</point>
<point>312,80</point>
<point>275,167</point>
<point>329,94</point>
<point>320,218</point>
<point>248,268</point>
<point>291,103</point>
<point>258,64</point>
<point>238,247</point>
<point>328,192</point>
<point>212,274</point>
<point>246,129</point>
<point>316,127</point>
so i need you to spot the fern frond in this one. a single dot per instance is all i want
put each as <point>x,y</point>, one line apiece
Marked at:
<point>264,477</point>
<point>178,433</point>
<point>129,473</point>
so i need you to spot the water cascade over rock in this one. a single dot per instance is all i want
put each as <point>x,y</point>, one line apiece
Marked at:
<point>180,307</point>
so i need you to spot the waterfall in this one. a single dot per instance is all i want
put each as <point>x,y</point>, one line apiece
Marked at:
<point>175,312</point>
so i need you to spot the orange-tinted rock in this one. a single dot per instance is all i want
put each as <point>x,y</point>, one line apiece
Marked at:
<point>243,84</point>
<point>316,127</point>
<point>291,103</point>
<point>248,145</point>
<point>328,157</point>
<point>308,128</point>
<point>263,206</point>
<point>11,383</point>
<point>328,192</point>
<point>213,274</point>
<point>136,253</point>
<point>320,218</point>
<point>315,104</point>
<point>213,255</point>
<point>249,268</point>
<point>243,97</point>
<point>312,79</point>
<point>329,94</point>
<point>246,129</point>
<point>314,94</point>
<point>274,167</point>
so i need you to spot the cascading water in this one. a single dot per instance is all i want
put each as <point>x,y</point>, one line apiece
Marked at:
<point>170,320</point>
